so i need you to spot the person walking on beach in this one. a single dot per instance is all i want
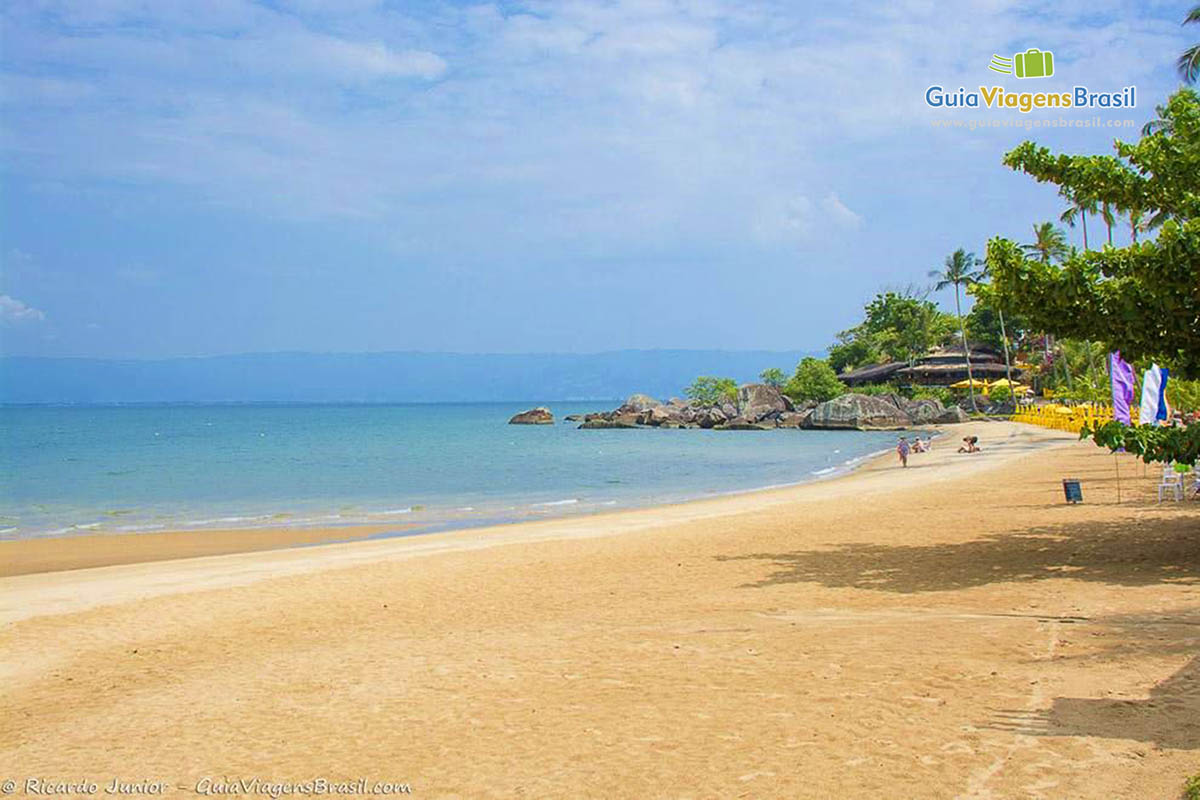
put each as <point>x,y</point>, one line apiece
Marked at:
<point>902,449</point>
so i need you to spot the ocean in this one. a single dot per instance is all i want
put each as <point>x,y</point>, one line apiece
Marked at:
<point>112,469</point>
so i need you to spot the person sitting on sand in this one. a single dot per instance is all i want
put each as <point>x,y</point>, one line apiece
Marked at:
<point>969,445</point>
<point>902,449</point>
<point>918,445</point>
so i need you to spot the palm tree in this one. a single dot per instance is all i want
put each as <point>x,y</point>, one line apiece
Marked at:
<point>1049,243</point>
<point>1078,210</point>
<point>1137,223</point>
<point>1110,219</point>
<point>1189,61</point>
<point>959,271</point>
<point>984,275</point>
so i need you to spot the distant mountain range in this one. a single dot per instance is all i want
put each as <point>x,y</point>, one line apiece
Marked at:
<point>405,377</point>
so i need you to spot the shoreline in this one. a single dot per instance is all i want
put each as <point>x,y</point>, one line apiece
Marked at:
<point>73,551</point>
<point>950,630</point>
<point>102,562</point>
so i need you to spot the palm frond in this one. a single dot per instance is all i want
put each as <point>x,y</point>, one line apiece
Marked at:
<point>1189,64</point>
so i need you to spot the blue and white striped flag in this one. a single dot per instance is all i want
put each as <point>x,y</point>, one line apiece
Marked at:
<point>1154,399</point>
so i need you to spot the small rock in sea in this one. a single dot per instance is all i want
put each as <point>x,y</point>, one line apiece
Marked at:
<point>534,416</point>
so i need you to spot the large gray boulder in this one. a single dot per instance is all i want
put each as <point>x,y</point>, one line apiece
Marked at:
<point>534,416</point>
<point>660,416</point>
<point>711,417</point>
<point>602,421</point>
<point>951,416</point>
<point>759,401</point>
<point>793,419</point>
<point>743,424</point>
<point>636,403</point>
<point>924,411</point>
<point>857,412</point>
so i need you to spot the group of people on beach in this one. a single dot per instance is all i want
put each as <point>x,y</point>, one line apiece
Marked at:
<point>903,448</point>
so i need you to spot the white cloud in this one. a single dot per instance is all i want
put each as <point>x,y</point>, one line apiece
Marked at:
<point>13,310</point>
<point>623,119</point>
<point>838,213</point>
<point>375,59</point>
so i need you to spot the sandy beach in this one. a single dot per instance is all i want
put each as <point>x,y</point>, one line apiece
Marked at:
<point>950,630</point>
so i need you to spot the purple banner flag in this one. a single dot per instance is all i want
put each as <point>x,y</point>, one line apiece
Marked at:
<point>1122,387</point>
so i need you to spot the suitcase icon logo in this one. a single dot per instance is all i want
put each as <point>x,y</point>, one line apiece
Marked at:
<point>1033,63</point>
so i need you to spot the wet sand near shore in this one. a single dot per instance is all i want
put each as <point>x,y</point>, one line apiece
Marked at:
<point>52,554</point>
<point>950,630</point>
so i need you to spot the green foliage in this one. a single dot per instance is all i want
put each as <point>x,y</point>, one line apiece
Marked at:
<point>906,327</point>
<point>1188,65</point>
<point>873,389</point>
<point>1191,788</point>
<point>897,327</point>
<point>1076,371</point>
<point>941,393</point>
<point>854,348</point>
<point>1151,442</point>
<point>1049,243</point>
<point>1001,394</point>
<point>1184,395</point>
<point>773,377</point>
<point>983,321</point>
<point>708,390</point>
<point>1143,299</point>
<point>814,380</point>
<point>960,271</point>
<point>1157,176</point>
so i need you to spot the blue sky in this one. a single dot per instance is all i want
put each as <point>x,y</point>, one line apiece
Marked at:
<point>184,178</point>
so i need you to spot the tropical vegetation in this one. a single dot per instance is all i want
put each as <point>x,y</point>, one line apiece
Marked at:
<point>1142,300</point>
<point>814,381</point>
<point>959,270</point>
<point>709,390</point>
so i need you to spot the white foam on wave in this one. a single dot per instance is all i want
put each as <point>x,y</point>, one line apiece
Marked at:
<point>570,502</point>
<point>200,523</point>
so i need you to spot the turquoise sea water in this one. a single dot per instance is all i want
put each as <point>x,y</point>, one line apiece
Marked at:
<point>73,470</point>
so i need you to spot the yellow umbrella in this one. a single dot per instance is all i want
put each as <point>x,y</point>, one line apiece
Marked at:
<point>967,383</point>
<point>1016,388</point>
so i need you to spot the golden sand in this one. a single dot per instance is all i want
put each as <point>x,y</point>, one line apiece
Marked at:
<point>950,630</point>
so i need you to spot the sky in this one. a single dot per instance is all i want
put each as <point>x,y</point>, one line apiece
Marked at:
<point>182,178</point>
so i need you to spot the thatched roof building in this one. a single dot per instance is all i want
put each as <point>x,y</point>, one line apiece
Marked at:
<point>941,367</point>
<point>878,373</point>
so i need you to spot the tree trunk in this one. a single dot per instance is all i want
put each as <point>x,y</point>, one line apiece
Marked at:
<point>962,326</point>
<point>1007,362</point>
<point>1083,214</point>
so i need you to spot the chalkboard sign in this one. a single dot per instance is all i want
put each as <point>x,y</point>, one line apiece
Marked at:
<point>1072,491</point>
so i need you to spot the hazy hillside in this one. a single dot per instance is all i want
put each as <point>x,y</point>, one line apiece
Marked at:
<point>376,377</point>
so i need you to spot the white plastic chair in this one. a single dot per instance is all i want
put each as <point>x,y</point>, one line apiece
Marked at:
<point>1172,482</point>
